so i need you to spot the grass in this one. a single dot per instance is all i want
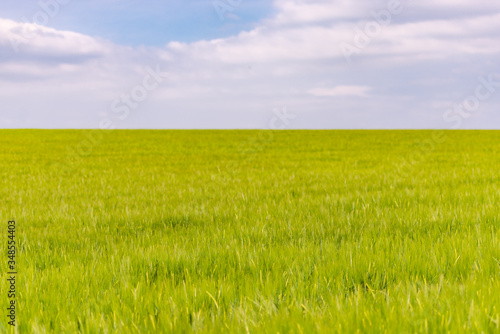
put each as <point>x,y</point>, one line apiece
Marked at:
<point>253,231</point>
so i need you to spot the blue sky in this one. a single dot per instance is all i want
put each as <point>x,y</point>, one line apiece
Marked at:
<point>149,22</point>
<point>322,63</point>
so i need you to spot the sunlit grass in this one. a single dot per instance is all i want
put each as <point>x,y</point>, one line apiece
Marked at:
<point>235,231</point>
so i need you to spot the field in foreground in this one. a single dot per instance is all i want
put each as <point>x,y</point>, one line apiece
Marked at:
<point>236,231</point>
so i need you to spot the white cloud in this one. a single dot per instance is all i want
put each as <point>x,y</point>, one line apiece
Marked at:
<point>235,81</point>
<point>29,39</point>
<point>361,91</point>
<point>318,11</point>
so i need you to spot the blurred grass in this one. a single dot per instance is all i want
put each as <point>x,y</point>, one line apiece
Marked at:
<point>253,231</point>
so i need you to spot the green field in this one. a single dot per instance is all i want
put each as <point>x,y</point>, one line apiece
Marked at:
<point>252,231</point>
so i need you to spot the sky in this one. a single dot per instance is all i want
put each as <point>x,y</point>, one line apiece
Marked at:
<point>225,64</point>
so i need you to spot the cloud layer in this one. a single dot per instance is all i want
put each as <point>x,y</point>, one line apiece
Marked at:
<point>334,64</point>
